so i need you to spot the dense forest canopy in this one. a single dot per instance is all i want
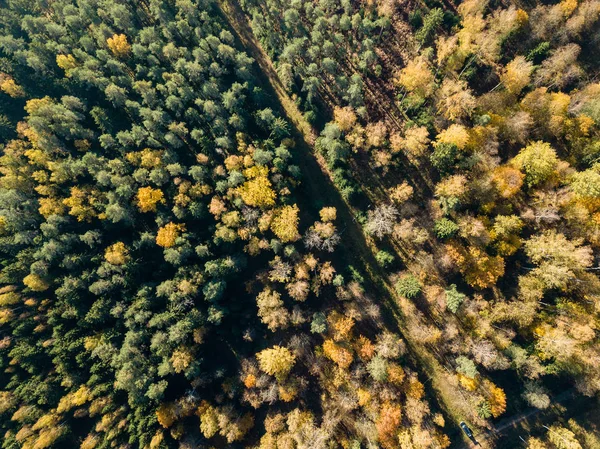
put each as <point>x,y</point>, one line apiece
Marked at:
<point>299,224</point>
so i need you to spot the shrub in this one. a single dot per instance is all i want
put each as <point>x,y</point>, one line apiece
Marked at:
<point>454,298</point>
<point>319,323</point>
<point>408,286</point>
<point>431,22</point>
<point>536,395</point>
<point>466,367</point>
<point>484,410</point>
<point>377,368</point>
<point>444,157</point>
<point>445,228</point>
<point>384,259</point>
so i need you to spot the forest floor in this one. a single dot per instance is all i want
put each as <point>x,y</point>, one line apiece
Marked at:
<point>360,249</point>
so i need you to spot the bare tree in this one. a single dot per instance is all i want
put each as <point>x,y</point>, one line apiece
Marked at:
<point>381,220</point>
<point>314,240</point>
<point>485,353</point>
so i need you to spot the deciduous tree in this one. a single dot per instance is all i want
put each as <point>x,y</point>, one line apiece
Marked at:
<point>277,361</point>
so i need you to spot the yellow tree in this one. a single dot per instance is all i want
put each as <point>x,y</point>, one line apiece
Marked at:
<point>338,354</point>
<point>345,118</point>
<point>92,440</point>
<point>414,142</point>
<point>496,398</point>
<point>479,268</point>
<point>35,283</point>
<point>417,78</point>
<point>563,438</point>
<point>66,62</point>
<point>117,254</point>
<point>148,198</point>
<point>401,193</point>
<point>118,45</point>
<point>168,234</point>
<point>81,203</point>
<point>341,325</point>
<point>516,75</point>
<point>51,206</point>
<point>257,192</point>
<point>10,87</point>
<point>166,414</point>
<point>508,180</point>
<point>455,134</point>
<point>7,401</point>
<point>277,361</point>
<point>328,214</point>
<point>558,259</point>
<point>536,443</point>
<point>181,359</point>
<point>271,310</point>
<point>388,423</point>
<point>74,399</point>
<point>456,101</point>
<point>209,424</point>
<point>285,224</point>
<point>538,161</point>
<point>586,187</point>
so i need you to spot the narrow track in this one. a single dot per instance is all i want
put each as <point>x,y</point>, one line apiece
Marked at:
<point>510,422</point>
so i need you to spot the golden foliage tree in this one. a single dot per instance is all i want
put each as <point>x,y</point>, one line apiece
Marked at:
<point>35,283</point>
<point>271,310</point>
<point>345,118</point>
<point>401,193</point>
<point>74,399</point>
<point>81,203</point>
<point>257,192</point>
<point>117,254</point>
<point>558,259</point>
<point>496,398</point>
<point>538,161</point>
<point>414,143</point>
<point>508,180</point>
<point>479,268</point>
<point>417,78</point>
<point>168,234</point>
<point>517,75</point>
<point>66,62</point>
<point>209,424</point>
<point>328,214</point>
<point>536,443</point>
<point>51,206</point>
<point>181,359</point>
<point>118,45</point>
<point>285,224</point>
<point>166,414</point>
<point>10,87</point>
<point>563,438</point>
<point>148,198</point>
<point>456,101</point>
<point>455,134</point>
<point>338,354</point>
<point>388,423</point>
<point>277,361</point>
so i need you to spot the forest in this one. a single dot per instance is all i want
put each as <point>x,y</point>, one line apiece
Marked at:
<point>288,224</point>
